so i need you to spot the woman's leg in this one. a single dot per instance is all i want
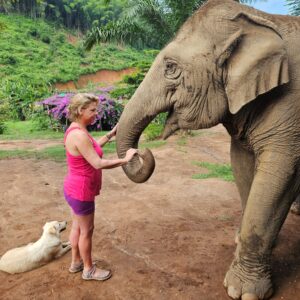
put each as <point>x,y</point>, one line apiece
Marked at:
<point>86,228</point>
<point>74,240</point>
<point>86,225</point>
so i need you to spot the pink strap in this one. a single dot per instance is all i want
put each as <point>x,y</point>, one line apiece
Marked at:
<point>72,128</point>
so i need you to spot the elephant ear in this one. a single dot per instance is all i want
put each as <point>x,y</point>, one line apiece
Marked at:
<point>255,60</point>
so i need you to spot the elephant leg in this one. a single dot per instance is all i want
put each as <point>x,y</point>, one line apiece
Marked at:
<point>295,208</point>
<point>243,163</point>
<point>267,206</point>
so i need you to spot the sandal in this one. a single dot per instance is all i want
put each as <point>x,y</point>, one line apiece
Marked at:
<point>76,267</point>
<point>90,275</point>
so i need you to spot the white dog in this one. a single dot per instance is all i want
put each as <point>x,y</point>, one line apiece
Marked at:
<point>34,255</point>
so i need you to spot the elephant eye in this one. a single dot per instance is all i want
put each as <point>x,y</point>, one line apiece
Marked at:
<point>172,69</point>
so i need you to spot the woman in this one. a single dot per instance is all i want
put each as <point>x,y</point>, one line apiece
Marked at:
<point>83,181</point>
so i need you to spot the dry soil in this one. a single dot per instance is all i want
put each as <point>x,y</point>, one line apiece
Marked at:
<point>169,238</point>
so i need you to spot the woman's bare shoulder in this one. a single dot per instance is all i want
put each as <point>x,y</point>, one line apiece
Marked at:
<point>77,135</point>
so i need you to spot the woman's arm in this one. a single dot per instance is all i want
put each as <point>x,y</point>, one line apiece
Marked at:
<point>86,149</point>
<point>106,138</point>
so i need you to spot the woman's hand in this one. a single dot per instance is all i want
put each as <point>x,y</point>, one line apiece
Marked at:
<point>130,153</point>
<point>113,132</point>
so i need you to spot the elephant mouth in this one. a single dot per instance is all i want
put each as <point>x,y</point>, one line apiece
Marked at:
<point>171,124</point>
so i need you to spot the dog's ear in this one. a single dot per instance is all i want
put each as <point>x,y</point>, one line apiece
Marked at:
<point>52,230</point>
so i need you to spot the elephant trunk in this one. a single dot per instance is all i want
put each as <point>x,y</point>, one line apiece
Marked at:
<point>138,113</point>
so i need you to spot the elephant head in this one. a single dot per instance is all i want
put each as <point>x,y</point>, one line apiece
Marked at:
<point>222,58</point>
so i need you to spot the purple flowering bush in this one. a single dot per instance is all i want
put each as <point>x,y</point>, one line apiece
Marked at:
<point>109,110</point>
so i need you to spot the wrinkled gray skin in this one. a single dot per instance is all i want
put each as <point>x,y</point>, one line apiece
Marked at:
<point>238,66</point>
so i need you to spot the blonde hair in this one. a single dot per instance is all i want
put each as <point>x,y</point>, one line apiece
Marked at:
<point>78,102</point>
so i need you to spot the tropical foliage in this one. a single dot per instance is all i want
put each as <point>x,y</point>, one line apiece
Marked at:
<point>84,14</point>
<point>126,88</point>
<point>39,54</point>
<point>145,23</point>
<point>78,14</point>
<point>294,7</point>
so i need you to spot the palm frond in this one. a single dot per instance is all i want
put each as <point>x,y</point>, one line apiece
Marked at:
<point>294,7</point>
<point>152,12</point>
<point>122,31</point>
<point>143,23</point>
<point>179,11</point>
<point>147,22</point>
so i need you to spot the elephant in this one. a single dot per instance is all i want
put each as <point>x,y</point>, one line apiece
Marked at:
<point>233,65</point>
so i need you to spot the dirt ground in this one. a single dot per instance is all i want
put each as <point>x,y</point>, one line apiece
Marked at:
<point>102,76</point>
<point>169,238</point>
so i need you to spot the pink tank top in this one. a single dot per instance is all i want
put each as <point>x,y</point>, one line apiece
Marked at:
<point>83,181</point>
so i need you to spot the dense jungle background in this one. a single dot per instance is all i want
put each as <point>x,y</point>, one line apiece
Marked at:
<point>44,43</point>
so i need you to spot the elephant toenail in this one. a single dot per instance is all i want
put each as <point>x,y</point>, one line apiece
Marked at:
<point>269,293</point>
<point>248,296</point>
<point>225,283</point>
<point>233,293</point>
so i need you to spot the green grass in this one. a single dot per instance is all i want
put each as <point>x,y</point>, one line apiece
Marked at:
<point>57,153</point>
<point>152,144</point>
<point>4,154</point>
<point>25,130</point>
<point>223,171</point>
<point>153,131</point>
<point>182,141</point>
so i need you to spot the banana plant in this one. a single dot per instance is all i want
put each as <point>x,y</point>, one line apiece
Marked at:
<point>145,23</point>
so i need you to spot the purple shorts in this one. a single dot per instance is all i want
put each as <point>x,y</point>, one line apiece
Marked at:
<point>80,208</point>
